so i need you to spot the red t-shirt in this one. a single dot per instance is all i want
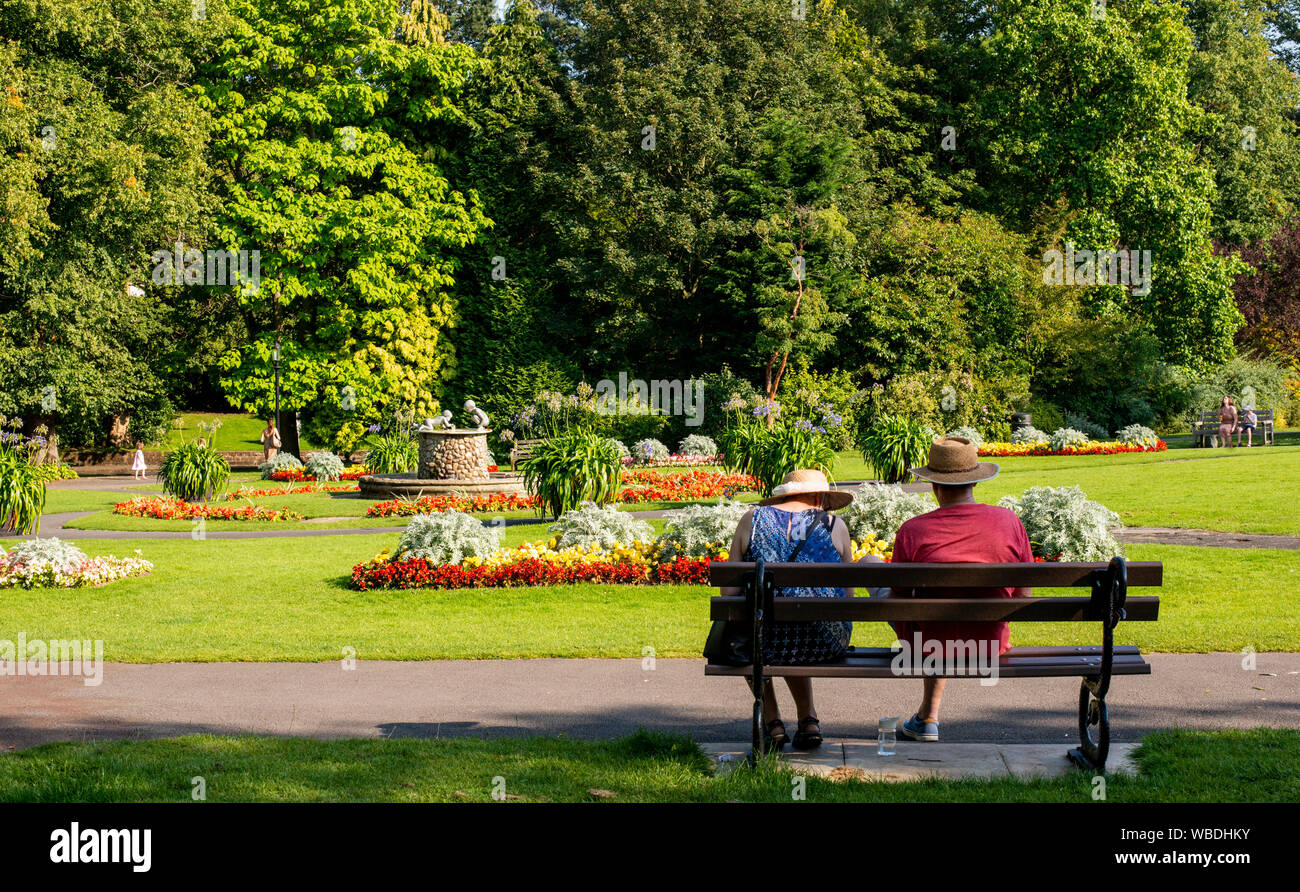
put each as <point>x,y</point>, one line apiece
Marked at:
<point>962,534</point>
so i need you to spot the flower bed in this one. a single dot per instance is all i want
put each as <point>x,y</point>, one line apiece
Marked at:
<point>17,572</point>
<point>168,508</point>
<point>431,504</point>
<point>298,475</point>
<point>648,486</point>
<point>247,493</point>
<point>540,563</point>
<point>1096,447</point>
<point>675,460</point>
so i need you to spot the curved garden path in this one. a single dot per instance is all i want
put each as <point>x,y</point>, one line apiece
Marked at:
<point>56,524</point>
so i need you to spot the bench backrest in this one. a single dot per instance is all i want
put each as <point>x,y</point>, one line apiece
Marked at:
<point>931,576</point>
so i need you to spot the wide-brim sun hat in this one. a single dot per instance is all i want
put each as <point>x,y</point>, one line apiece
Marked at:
<point>804,482</point>
<point>954,461</point>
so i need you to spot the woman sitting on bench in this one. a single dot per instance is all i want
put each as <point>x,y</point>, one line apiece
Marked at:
<point>793,525</point>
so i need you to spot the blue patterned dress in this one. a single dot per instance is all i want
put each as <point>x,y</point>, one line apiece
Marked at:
<point>790,643</point>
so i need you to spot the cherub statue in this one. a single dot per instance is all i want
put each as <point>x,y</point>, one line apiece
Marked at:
<point>478,415</point>
<point>443,420</point>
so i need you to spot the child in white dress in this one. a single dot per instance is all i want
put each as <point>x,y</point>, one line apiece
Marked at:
<point>137,465</point>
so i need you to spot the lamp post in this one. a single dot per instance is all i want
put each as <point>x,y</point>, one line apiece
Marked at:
<point>275,355</point>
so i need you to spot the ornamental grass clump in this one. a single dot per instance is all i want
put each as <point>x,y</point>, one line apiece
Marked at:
<point>698,445</point>
<point>1065,437</point>
<point>1063,524</point>
<point>324,465</point>
<point>769,453</point>
<point>968,433</point>
<point>893,444</point>
<point>1030,435</point>
<point>194,473</point>
<point>879,510</point>
<point>1137,434</point>
<point>447,538</point>
<point>593,525</point>
<point>567,470</point>
<point>700,530</point>
<point>283,461</point>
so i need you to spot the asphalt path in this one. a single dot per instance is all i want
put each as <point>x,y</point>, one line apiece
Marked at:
<point>603,698</point>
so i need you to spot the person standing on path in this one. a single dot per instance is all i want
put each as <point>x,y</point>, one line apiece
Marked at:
<point>270,441</point>
<point>137,464</point>
<point>1227,421</point>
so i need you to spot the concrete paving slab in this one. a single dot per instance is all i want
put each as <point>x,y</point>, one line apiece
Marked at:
<point>918,761</point>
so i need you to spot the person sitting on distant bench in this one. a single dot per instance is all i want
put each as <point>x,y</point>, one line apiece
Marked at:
<point>1249,420</point>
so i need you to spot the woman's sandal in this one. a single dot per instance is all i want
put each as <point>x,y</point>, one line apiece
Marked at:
<point>772,740</point>
<point>805,739</point>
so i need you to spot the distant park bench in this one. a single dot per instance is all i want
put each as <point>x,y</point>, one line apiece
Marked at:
<point>1107,604</point>
<point>1206,431</point>
<point>522,451</point>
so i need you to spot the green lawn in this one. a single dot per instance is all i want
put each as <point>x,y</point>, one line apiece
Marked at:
<point>238,431</point>
<point>288,599</point>
<point>1174,766</point>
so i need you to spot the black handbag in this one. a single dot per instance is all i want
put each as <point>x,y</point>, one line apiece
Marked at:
<point>731,642</point>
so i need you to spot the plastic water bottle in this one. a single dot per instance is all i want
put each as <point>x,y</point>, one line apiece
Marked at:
<point>886,736</point>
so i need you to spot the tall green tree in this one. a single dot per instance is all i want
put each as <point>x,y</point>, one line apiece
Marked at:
<point>102,162</point>
<point>328,123</point>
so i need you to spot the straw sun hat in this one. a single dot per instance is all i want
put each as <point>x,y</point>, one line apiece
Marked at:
<point>954,461</point>
<point>803,482</point>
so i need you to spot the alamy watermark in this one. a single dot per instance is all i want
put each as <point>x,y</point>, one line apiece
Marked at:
<point>1131,268</point>
<point>190,266</point>
<point>53,657</point>
<point>675,397</point>
<point>967,658</point>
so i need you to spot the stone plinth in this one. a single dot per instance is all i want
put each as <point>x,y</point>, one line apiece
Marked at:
<point>393,486</point>
<point>452,454</point>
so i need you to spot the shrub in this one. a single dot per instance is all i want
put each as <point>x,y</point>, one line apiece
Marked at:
<point>968,433</point>
<point>194,473</point>
<point>565,471</point>
<point>830,401</point>
<point>1030,435</point>
<point>1067,436</point>
<point>1137,434</point>
<point>879,510</point>
<point>22,492</point>
<point>893,444</point>
<point>393,453</point>
<point>283,461</point>
<point>1081,423</point>
<point>619,447</point>
<point>768,454</point>
<point>62,557</point>
<point>593,525</point>
<point>696,444</point>
<point>700,530</point>
<point>324,465</point>
<point>447,537</point>
<point>1062,521</point>
<point>649,450</point>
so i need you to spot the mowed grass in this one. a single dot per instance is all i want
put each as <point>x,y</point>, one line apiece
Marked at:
<point>1232,490</point>
<point>289,599</point>
<point>1258,765</point>
<point>238,431</point>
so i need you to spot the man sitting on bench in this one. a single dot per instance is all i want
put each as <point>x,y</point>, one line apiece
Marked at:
<point>960,530</point>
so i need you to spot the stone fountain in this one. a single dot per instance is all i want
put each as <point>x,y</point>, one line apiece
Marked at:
<point>452,460</point>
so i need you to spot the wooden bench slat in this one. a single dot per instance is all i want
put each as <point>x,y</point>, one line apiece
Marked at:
<point>1015,663</point>
<point>856,575</point>
<point>863,609</point>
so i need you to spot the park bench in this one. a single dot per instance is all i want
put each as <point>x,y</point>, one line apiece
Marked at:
<point>1107,603</point>
<point>1206,431</point>
<point>522,451</point>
